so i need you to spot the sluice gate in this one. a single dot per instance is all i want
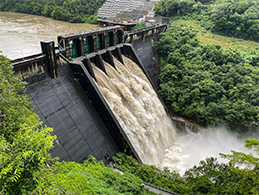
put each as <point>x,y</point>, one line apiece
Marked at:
<point>84,74</point>
<point>83,43</point>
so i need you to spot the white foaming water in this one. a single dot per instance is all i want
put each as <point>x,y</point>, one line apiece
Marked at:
<point>142,116</point>
<point>188,150</point>
<point>138,109</point>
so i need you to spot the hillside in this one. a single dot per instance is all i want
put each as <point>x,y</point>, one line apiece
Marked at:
<point>207,37</point>
<point>202,67</point>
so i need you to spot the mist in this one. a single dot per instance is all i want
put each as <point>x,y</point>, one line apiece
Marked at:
<point>190,148</point>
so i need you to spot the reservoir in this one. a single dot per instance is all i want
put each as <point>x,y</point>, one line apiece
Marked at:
<point>20,34</point>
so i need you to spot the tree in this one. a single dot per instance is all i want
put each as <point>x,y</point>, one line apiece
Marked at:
<point>170,8</point>
<point>219,178</point>
<point>24,142</point>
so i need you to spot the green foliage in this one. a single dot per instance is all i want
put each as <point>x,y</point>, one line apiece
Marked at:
<point>239,158</point>
<point>209,177</point>
<point>91,177</point>
<point>217,178</point>
<point>75,11</point>
<point>207,84</point>
<point>139,25</point>
<point>237,18</point>
<point>24,143</point>
<point>91,19</point>
<point>151,174</point>
<point>170,8</point>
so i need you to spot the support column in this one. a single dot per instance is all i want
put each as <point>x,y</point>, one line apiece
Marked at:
<point>48,49</point>
<point>131,38</point>
<point>88,66</point>
<point>118,54</point>
<point>82,46</point>
<point>114,37</point>
<point>108,58</point>
<point>95,42</point>
<point>143,36</point>
<point>99,63</point>
<point>105,40</point>
<point>67,46</point>
<point>122,36</point>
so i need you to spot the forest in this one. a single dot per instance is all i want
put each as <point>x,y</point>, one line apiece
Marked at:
<point>207,84</point>
<point>170,8</point>
<point>75,11</point>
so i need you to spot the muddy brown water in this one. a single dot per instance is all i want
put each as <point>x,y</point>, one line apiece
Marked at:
<point>20,34</point>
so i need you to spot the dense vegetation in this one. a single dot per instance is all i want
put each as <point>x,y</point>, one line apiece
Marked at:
<point>169,8</point>
<point>24,142</point>
<point>209,177</point>
<point>207,84</point>
<point>237,18</point>
<point>91,177</point>
<point>75,11</point>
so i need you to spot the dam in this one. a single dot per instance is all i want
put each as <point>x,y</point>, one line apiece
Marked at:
<point>61,84</point>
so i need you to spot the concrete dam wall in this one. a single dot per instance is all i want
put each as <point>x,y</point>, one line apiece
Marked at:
<point>145,51</point>
<point>61,97</point>
<point>60,103</point>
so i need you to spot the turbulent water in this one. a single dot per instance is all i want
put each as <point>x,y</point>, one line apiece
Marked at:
<point>137,109</point>
<point>151,132</point>
<point>189,149</point>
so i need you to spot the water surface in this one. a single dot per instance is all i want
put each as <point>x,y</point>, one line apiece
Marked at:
<point>20,34</point>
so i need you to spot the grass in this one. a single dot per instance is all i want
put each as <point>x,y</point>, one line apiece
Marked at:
<point>206,37</point>
<point>195,24</point>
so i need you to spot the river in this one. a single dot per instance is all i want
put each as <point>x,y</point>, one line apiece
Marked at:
<point>20,34</point>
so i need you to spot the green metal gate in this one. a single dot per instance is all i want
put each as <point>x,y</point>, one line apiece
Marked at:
<point>108,40</point>
<point>117,37</point>
<point>87,46</point>
<point>99,44</point>
<point>73,50</point>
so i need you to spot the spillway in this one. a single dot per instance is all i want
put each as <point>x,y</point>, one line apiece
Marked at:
<point>137,108</point>
<point>142,119</point>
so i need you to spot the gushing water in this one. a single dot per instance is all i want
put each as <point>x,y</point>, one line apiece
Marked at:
<point>146,124</point>
<point>137,109</point>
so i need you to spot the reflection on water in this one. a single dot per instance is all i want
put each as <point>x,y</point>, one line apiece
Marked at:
<point>20,34</point>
